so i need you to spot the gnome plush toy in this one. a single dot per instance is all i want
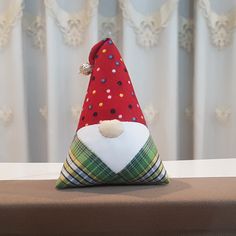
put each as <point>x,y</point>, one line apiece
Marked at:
<point>112,144</point>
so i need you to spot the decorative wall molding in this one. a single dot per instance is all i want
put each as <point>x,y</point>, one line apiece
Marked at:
<point>8,19</point>
<point>44,112</point>
<point>186,33</point>
<point>223,114</point>
<point>150,113</point>
<point>221,26</point>
<point>109,27</point>
<point>148,28</point>
<point>189,112</point>
<point>35,28</point>
<point>76,110</point>
<point>72,25</point>
<point>6,115</point>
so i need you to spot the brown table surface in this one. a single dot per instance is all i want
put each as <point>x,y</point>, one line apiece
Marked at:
<point>197,206</point>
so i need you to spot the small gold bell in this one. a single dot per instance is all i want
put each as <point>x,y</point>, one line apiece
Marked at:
<point>85,69</point>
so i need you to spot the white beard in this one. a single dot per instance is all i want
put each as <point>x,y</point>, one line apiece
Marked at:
<point>117,152</point>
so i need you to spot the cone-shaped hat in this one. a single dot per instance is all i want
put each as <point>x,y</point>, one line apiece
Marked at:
<point>110,93</point>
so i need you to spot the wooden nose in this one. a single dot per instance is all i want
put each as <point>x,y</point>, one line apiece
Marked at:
<point>111,128</point>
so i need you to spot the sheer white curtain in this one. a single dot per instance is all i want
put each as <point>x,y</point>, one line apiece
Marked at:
<point>181,56</point>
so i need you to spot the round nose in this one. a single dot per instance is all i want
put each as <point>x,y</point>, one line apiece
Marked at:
<point>111,128</point>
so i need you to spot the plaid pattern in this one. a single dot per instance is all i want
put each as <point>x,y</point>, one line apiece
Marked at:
<point>83,168</point>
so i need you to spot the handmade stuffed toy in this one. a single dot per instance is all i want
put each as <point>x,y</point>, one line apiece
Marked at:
<point>112,144</point>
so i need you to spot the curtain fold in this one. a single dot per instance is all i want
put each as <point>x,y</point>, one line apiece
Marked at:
<point>180,55</point>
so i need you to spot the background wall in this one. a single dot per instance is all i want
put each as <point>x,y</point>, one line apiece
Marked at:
<point>181,56</point>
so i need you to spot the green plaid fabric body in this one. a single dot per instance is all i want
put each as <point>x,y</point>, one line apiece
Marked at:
<point>146,167</point>
<point>83,168</point>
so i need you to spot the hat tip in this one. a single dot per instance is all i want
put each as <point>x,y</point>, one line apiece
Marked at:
<point>109,40</point>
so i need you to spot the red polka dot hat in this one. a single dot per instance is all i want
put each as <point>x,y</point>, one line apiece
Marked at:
<point>110,94</point>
